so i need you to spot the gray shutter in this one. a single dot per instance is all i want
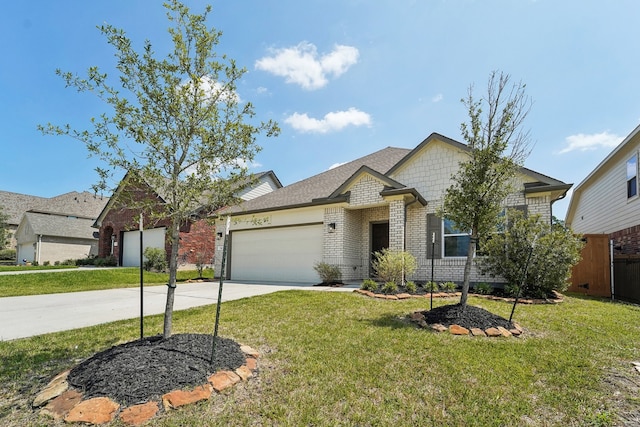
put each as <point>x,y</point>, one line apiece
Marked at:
<point>434,225</point>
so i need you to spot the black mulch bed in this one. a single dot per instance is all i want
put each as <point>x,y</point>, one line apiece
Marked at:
<point>467,317</point>
<point>143,370</point>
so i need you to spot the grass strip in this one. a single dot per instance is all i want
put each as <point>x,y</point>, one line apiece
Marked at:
<point>84,280</point>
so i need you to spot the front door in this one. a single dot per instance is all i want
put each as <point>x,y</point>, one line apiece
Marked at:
<point>379,240</point>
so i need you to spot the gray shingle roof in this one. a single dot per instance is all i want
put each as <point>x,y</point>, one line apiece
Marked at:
<point>320,186</point>
<point>60,225</point>
<point>82,204</point>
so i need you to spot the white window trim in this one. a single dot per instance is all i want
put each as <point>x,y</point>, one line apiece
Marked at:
<point>637,158</point>
<point>444,236</point>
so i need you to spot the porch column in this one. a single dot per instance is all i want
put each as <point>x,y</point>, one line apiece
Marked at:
<point>396,224</point>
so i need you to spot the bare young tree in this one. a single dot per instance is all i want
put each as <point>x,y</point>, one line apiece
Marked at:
<point>497,149</point>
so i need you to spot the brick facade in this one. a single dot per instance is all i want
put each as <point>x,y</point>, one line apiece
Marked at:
<point>197,239</point>
<point>627,241</point>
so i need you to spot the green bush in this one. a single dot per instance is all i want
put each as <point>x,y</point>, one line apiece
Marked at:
<point>328,273</point>
<point>389,288</point>
<point>369,285</point>
<point>449,286</point>
<point>511,290</point>
<point>109,261</point>
<point>431,287</point>
<point>552,250</point>
<point>411,287</point>
<point>155,259</point>
<point>7,254</point>
<point>394,266</point>
<point>483,288</point>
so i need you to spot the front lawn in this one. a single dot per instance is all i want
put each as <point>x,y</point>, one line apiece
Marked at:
<point>84,280</point>
<point>343,359</point>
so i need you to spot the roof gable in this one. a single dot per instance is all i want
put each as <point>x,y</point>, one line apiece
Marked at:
<point>318,188</point>
<point>55,225</point>
<point>75,203</point>
<point>357,176</point>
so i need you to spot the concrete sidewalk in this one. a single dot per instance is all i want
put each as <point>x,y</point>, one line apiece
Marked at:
<point>27,316</point>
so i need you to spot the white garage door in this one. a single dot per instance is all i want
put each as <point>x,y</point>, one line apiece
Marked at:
<point>152,238</point>
<point>277,254</point>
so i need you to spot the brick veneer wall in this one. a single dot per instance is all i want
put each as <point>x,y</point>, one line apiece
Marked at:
<point>627,241</point>
<point>195,238</point>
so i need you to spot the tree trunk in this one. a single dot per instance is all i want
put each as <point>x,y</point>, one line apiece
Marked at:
<point>173,272</point>
<point>467,271</point>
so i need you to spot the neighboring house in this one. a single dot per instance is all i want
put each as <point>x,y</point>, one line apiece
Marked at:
<point>387,199</point>
<point>15,205</point>
<point>119,225</point>
<point>50,237</point>
<point>607,201</point>
<point>605,208</point>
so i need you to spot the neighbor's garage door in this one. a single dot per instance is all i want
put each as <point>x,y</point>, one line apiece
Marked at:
<point>152,238</point>
<point>277,254</point>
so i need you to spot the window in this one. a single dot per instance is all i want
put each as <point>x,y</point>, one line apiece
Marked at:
<point>456,242</point>
<point>632,176</point>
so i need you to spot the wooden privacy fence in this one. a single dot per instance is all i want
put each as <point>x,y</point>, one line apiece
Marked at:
<point>592,275</point>
<point>626,273</point>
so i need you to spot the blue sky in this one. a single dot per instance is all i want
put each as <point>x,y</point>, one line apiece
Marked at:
<point>343,78</point>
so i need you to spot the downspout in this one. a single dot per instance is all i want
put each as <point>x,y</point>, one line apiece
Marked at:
<point>551,205</point>
<point>38,250</point>
<point>404,230</point>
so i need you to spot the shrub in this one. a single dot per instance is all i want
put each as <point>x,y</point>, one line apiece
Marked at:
<point>201,262</point>
<point>449,286</point>
<point>109,261</point>
<point>369,285</point>
<point>411,287</point>
<point>393,266</point>
<point>389,288</point>
<point>46,263</point>
<point>8,254</point>
<point>511,290</point>
<point>483,288</point>
<point>551,250</point>
<point>155,259</point>
<point>431,286</point>
<point>328,273</point>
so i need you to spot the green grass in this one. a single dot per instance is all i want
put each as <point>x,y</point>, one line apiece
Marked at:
<point>34,267</point>
<point>342,359</point>
<point>84,280</point>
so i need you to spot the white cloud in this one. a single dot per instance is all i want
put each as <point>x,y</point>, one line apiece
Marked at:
<point>210,90</point>
<point>437,98</point>
<point>583,142</point>
<point>333,121</point>
<point>302,65</point>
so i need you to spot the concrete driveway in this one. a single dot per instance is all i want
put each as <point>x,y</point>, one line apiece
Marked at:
<point>27,316</point>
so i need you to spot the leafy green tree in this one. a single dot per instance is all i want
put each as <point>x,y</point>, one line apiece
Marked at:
<point>497,149</point>
<point>554,251</point>
<point>176,121</point>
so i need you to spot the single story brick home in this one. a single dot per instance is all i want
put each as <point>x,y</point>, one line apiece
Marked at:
<point>118,224</point>
<point>387,199</point>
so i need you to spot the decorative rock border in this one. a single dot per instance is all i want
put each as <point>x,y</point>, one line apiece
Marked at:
<point>418,318</point>
<point>558,297</point>
<point>61,402</point>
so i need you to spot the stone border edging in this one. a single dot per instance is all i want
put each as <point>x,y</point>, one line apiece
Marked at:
<point>61,402</point>
<point>418,318</point>
<point>558,297</point>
